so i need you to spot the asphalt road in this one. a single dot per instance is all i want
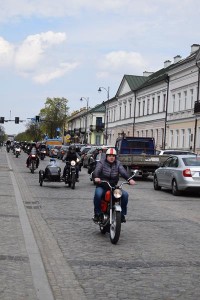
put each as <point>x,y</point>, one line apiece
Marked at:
<point>157,256</point>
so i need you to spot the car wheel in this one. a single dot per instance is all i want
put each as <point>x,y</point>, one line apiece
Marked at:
<point>175,190</point>
<point>155,183</point>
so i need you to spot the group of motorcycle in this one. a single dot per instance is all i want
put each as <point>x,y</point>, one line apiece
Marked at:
<point>110,219</point>
<point>16,149</point>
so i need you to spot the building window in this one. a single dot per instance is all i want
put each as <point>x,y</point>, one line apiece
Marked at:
<point>158,104</point>
<point>189,137</point>
<point>171,138</point>
<point>148,104</point>
<point>138,133</point>
<point>182,138</point>
<point>151,132</point>
<point>192,98</point>
<point>153,104</point>
<point>120,112</point>
<point>143,108</point>
<point>162,137</point>
<point>164,102</point>
<point>185,99</point>
<point>174,103</point>
<point>130,107</point>
<point>156,137</point>
<point>177,138</point>
<point>179,101</point>
<point>139,107</point>
<point>146,133</point>
<point>125,111</point>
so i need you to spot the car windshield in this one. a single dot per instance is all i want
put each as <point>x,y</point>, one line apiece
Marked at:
<point>192,161</point>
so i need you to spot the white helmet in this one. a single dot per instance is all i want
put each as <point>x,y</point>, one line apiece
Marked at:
<point>111,151</point>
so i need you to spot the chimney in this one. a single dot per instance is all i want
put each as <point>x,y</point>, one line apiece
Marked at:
<point>146,73</point>
<point>194,48</point>
<point>167,63</point>
<point>177,58</point>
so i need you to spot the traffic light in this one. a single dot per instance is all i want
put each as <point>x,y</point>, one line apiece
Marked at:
<point>37,118</point>
<point>16,120</point>
<point>1,119</point>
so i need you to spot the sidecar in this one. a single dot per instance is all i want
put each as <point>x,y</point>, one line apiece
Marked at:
<point>51,173</point>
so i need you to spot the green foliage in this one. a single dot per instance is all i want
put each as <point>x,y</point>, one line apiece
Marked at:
<point>51,117</point>
<point>54,116</point>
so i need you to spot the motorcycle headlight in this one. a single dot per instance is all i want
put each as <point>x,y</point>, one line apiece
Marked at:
<point>33,155</point>
<point>117,193</point>
<point>73,163</point>
<point>77,160</point>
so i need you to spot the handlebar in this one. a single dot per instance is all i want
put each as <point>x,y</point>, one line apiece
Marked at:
<point>120,186</point>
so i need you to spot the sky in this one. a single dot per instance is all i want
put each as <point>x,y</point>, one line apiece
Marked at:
<point>69,49</point>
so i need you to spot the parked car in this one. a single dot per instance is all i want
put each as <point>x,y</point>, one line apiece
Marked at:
<point>178,173</point>
<point>174,152</point>
<point>62,151</point>
<point>53,152</point>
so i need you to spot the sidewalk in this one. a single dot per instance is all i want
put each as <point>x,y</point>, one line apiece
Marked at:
<point>29,270</point>
<point>16,279</point>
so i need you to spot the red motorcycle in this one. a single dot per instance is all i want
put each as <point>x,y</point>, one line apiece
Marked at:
<point>110,219</point>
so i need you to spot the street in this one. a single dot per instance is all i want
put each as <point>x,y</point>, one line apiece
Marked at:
<point>157,256</point>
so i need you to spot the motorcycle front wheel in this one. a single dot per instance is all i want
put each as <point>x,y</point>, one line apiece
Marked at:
<point>32,167</point>
<point>115,227</point>
<point>73,181</point>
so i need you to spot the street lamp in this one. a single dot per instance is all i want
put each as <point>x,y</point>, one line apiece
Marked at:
<point>106,113</point>
<point>87,100</point>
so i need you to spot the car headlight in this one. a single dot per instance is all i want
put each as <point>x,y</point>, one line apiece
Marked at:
<point>117,193</point>
<point>73,163</point>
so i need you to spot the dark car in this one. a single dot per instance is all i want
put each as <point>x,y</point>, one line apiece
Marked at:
<point>83,152</point>
<point>62,151</point>
<point>53,152</point>
<point>86,159</point>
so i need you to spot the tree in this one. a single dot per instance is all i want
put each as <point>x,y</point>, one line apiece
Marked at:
<point>54,116</point>
<point>2,135</point>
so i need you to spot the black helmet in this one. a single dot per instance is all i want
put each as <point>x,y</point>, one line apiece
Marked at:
<point>72,148</point>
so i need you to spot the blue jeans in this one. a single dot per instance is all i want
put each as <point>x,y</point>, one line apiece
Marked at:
<point>100,192</point>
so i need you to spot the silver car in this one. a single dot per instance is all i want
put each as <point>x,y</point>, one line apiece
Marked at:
<point>178,173</point>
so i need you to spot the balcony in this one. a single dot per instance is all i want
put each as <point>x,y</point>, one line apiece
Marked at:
<point>197,107</point>
<point>97,128</point>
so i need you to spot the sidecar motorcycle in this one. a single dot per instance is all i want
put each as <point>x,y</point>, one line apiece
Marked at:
<point>51,173</point>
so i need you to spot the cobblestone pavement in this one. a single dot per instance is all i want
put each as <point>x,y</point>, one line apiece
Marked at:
<point>157,256</point>
<point>15,273</point>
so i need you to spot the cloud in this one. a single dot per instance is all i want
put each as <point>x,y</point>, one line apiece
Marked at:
<point>121,62</point>
<point>11,9</point>
<point>36,57</point>
<point>60,71</point>
<point>6,53</point>
<point>33,50</point>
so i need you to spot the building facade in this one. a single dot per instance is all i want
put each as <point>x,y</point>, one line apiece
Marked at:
<point>159,105</point>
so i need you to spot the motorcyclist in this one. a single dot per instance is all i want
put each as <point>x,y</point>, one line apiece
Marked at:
<point>8,145</point>
<point>32,150</point>
<point>95,157</point>
<point>70,155</point>
<point>109,169</point>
